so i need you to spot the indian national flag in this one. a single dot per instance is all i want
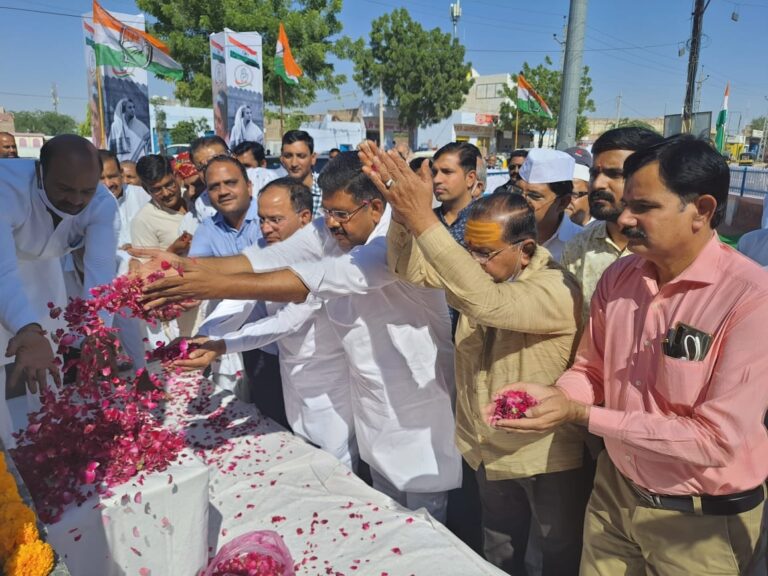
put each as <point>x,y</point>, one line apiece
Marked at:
<point>285,65</point>
<point>529,101</point>
<point>722,120</point>
<point>122,46</point>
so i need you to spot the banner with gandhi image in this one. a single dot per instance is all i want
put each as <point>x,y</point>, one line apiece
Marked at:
<point>238,86</point>
<point>120,116</point>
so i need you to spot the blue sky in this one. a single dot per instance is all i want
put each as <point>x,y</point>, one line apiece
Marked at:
<point>631,48</point>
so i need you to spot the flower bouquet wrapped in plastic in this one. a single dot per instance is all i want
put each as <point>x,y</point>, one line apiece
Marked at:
<point>258,553</point>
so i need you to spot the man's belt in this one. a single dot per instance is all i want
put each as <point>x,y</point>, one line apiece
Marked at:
<point>726,505</point>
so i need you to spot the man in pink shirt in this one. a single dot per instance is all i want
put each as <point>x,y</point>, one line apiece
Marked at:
<point>670,372</point>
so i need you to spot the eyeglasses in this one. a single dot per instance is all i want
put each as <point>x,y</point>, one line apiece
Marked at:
<point>343,216</point>
<point>170,187</point>
<point>272,220</point>
<point>485,257</point>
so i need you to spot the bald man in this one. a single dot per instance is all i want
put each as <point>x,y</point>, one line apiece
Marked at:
<point>50,208</point>
<point>8,146</point>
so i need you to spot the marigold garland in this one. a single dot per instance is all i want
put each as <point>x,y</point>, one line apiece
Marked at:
<point>22,553</point>
<point>33,559</point>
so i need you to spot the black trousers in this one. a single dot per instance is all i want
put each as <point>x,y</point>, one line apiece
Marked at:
<point>265,385</point>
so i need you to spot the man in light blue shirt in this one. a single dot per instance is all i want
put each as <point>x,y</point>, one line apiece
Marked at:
<point>233,228</point>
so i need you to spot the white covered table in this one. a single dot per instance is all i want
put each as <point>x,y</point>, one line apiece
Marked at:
<point>259,477</point>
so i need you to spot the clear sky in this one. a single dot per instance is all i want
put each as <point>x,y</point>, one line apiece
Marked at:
<point>631,49</point>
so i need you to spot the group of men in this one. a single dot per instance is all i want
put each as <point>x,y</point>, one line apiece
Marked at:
<point>382,328</point>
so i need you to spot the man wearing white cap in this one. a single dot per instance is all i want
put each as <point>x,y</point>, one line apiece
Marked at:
<point>546,179</point>
<point>578,208</point>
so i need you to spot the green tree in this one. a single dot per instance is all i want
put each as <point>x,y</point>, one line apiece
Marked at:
<point>757,123</point>
<point>84,128</point>
<point>310,25</point>
<point>45,122</point>
<point>187,130</point>
<point>161,128</point>
<point>548,84</point>
<point>421,72</point>
<point>291,120</point>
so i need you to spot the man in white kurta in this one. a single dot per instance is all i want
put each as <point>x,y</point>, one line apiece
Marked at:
<point>50,208</point>
<point>313,365</point>
<point>396,336</point>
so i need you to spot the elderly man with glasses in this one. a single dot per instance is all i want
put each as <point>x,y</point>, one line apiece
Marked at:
<point>396,337</point>
<point>519,314</point>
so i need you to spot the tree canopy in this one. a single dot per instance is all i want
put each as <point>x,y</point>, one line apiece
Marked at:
<point>44,122</point>
<point>185,26</point>
<point>421,72</point>
<point>185,131</point>
<point>548,83</point>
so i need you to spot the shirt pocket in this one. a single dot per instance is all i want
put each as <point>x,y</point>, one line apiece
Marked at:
<point>679,383</point>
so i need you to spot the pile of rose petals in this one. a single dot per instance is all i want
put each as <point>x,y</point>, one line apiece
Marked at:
<point>102,430</point>
<point>512,405</point>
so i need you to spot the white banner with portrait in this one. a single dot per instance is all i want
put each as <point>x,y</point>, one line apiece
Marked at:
<point>118,99</point>
<point>238,86</point>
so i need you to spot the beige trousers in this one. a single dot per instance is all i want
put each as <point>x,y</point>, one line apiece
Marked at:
<point>622,537</point>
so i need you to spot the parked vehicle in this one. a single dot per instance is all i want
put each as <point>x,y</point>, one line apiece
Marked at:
<point>746,159</point>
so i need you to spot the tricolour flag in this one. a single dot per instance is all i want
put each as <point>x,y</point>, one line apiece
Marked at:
<point>722,120</point>
<point>243,52</point>
<point>122,46</point>
<point>529,101</point>
<point>285,65</point>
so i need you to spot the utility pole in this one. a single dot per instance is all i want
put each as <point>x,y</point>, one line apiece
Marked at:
<point>761,156</point>
<point>574,54</point>
<point>618,110</point>
<point>455,15</point>
<point>381,117</point>
<point>699,83</point>
<point>55,97</point>
<point>693,63</point>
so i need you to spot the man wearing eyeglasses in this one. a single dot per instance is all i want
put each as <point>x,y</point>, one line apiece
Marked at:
<point>517,316</point>
<point>396,338</point>
<point>315,396</point>
<point>546,181</point>
<point>578,208</point>
<point>590,252</point>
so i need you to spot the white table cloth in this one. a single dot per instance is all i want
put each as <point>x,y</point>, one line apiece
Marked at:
<point>258,477</point>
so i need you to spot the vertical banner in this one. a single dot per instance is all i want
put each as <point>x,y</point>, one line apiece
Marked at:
<point>238,86</point>
<point>124,97</point>
<point>94,101</point>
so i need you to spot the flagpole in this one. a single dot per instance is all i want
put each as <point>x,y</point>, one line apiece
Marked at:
<point>103,143</point>
<point>517,123</point>
<point>281,108</point>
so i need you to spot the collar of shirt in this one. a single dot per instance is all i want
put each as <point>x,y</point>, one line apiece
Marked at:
<point>250,216</point>
<point>703,270</point>
<point>457,227</point>
<point>565,231</point>
<point>601,232</point>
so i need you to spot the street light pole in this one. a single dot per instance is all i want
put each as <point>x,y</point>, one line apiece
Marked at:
<point>574,53</point>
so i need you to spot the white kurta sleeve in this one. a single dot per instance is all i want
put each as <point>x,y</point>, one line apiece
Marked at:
<point>358,272</point>
<point>286,321</point>
<point>15,309</point>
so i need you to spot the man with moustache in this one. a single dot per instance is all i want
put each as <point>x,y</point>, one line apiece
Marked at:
<point>671,375</point>
<point>590,252</point>
<point>50,208</point>
<point>516,160</point>
<point>578,209</point>
<point>396,336</point>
